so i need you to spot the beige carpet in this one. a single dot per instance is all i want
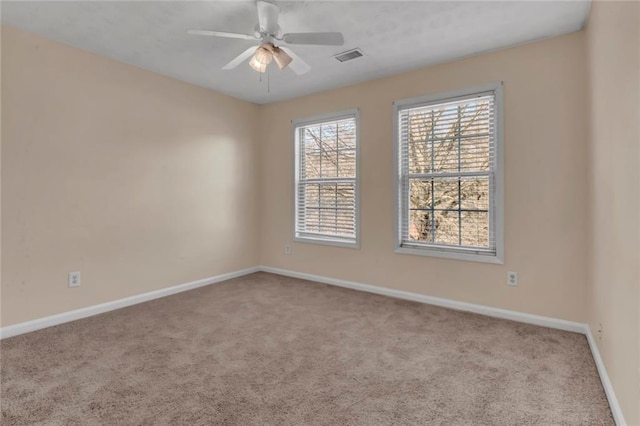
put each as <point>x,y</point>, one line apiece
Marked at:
<point>269,350</point>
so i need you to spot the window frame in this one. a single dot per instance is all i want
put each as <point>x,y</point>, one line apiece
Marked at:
<point>353,113</point>
<point>451,252</point>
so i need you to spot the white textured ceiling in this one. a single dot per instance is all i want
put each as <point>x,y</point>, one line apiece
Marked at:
<point>395,36</point>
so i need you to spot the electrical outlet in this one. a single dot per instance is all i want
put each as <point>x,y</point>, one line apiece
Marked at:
<point>74,279</point>
<point>287,249</point>
<point>600,331</point>
<point>512,278</point>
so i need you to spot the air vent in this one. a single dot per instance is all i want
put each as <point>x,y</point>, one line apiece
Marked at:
<point>349,55</point>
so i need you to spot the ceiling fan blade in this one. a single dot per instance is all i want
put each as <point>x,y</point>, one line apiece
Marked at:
<point>326,39</point>
<point>268,16</point>
<point>240,58</point>
<point>297,65</point>
<point>221,34</point>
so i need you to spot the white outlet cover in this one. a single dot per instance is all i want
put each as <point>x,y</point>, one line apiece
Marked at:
<point>74,279</point>
<point>512,278</point>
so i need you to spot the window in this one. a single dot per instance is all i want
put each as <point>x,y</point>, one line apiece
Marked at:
<point>449,175</point>
<point>326,179</point>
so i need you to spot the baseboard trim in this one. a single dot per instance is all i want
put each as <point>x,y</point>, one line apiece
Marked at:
<point>618,417</point>
<point>437,301</point>
<point>40,323</point>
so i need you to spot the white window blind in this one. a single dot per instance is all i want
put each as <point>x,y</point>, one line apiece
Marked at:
<point>447,175</point>
<point>326,184</point>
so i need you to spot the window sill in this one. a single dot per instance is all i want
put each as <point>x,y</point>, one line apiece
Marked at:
<point>434,252</point>
<point>326,241</point>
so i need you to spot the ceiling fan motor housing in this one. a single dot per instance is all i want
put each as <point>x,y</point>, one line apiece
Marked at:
<point>259,33</point>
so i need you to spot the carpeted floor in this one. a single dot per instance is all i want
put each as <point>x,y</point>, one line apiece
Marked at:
<point>270,350</point>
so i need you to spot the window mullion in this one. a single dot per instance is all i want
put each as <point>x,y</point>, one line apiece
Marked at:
<point>330,180</point>
<point>442,175</point>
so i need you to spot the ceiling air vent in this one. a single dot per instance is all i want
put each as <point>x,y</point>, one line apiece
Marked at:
<point>349,55</point>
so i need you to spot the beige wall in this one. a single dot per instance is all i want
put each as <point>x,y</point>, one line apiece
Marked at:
<point>545,190</point>
<point>142,182</point>
<point>136,180</point>
<point>613,41</point>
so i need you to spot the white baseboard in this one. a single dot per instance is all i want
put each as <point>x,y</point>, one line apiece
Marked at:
<point>606,383</point>
<point>37,324</point>
<point>438,301</point>
<point>40,323</point>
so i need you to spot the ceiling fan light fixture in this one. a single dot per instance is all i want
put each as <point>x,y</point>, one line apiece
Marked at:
<point>258,66</point>
<point>261,58</point>
<point>281,57</point>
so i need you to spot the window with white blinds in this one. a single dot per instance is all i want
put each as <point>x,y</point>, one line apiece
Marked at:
<point>449,177</point>
<point>326,179</point>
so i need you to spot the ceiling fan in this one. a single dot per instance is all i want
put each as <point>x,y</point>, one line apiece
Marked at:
<point>268,32</point>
